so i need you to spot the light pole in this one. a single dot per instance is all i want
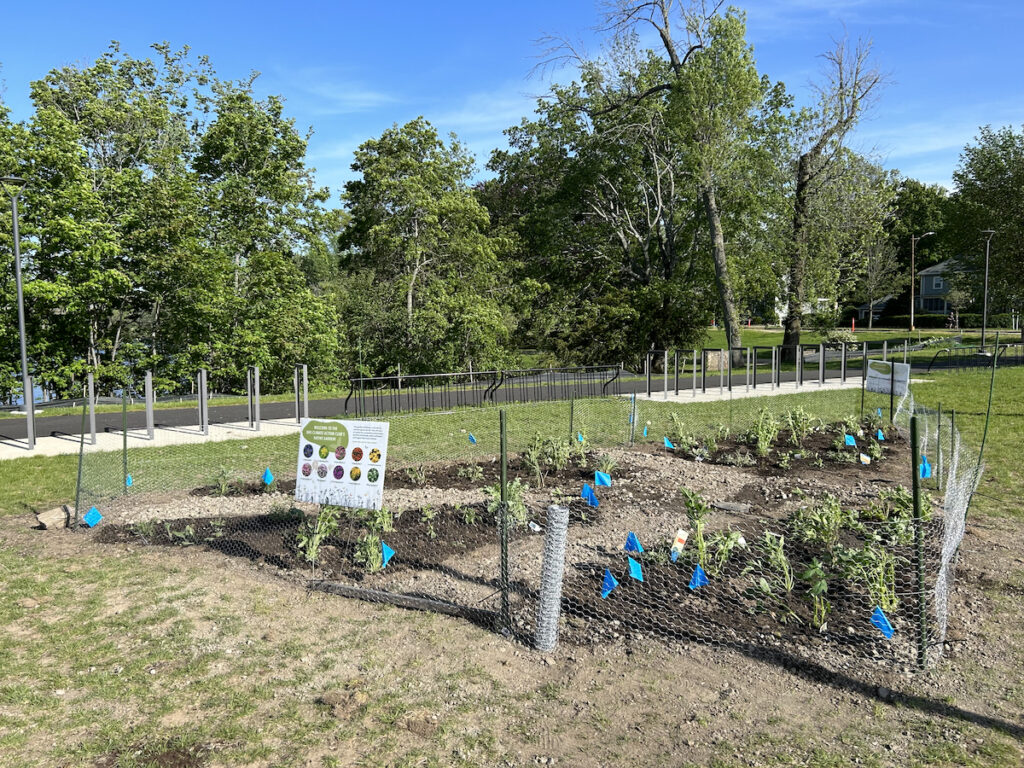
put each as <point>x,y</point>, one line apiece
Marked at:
<point>984,311</point>
<point>12,186</point>
<point>913,279</point>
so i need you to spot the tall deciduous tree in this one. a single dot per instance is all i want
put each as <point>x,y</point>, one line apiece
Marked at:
<point>418,227</point>
<point>851,83</point>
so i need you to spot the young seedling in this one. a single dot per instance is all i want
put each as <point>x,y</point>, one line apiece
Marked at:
<point>817,581</point>
<point>313,533</point>
<point>417,475</point>
<point>427,516</point>
<point>606,464</point>
<point>697,513</point>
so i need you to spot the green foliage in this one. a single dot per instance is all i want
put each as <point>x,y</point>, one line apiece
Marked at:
<point>369,553</point>
<point>820,523</point>
<point>800,424</point>
<point>474,473</point>
<point>427,516</point>
<point>546,454</point>
<point>873,567</point>
<point>515,497</point>
<point>817,587</point>
<point>606,464</point>
<point>764,432</point>
<point>416,475</point>
<point>697,513</point>
<point>312,533</point>
<point>720,547</point>
<point>773,547</point>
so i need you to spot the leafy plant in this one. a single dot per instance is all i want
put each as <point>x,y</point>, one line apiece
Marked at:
<point>817,582</point>
<point>764,432</point>
<point>720,546</point>
<point>312,533</point>
<point>515,498</point>
<point>579,448</point>
<point>186,537</point>
<point>217,525</point>
<point>467,513</point>
<point>144,529</point>
<point>773,547</point>
<point>785,460</point>
<point>697,513</point>
<point>820,523</point>
<point>542,455</point>
<point>474,473</point>
<point>379,520</point>
<point>800,424</point>
<point>417,475</point>
<point>739,458</point>
<point>875,450</point>
<point>606,464</point>
<point>223,480</point>
<point>369,553</point>
<point>873,567</point>
<point>427,516</point>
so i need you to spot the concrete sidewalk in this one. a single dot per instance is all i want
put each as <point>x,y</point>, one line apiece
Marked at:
<point>113,440</point>
<point>689,394</point>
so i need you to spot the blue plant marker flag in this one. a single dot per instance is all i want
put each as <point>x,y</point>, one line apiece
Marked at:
<point>633,543</point>
<point>386,553</point>
<point>92,517</point>
<point>699,579</point>
<point>879,413</point>
<point>268,476</point>
<point>645,431</point>
<point>635,571</point>
<point>579,437</point>
<point>926,467</point>
<point>610,583</point>
<point>675,555</point>
<point>592,500</point>
<point>668,444</point>
<point>881,621</point>
<point>850,440</point>
<point>128,481</point>
<point>602,478</point>
<point>472,439</point>
<point>881,435</point>
<point>588,495</point>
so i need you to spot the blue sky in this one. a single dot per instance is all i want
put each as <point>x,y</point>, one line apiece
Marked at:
<point>350,69</point>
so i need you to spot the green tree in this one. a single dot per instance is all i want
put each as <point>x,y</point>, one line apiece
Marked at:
<point>417,225</point>
<point>989,194</point>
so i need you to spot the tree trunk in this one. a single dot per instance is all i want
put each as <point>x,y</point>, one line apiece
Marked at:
<point>797,259</point>
<point>730,319</point>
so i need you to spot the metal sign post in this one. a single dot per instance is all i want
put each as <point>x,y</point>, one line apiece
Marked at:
<point>92,406</point>
<point>149,405</point>
<point>204,416</point>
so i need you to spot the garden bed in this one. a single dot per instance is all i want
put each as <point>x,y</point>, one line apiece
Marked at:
<point>441,527</point>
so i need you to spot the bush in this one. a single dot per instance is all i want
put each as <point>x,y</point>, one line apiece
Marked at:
<point>973,320</point>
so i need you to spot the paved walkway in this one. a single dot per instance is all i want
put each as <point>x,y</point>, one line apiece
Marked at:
<point>688,394</point>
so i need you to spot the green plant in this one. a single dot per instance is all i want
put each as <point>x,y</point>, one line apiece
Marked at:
<point>773,547</point>
<point>606,464</point>
<point>427,516</point>
<point>820,523</point>
<point>542,455</point>
<point>817,587</point>
<point>144,529</point>
<point>785,460</point>
<point>818,461</point>
<point>697,513</point>
<point>680,436</point>
<point>186,537</point>
<point>720,546</point>
<point>579,448</point>
<point>873,567</point>
<point>369,553</point>
<point>467,513</point>
<point>875,450</point>
<point>764,432</point>
<point>223,480</point>
<point>379,520</point>
<point>800,424</point>
<point>894,511</point>
<point>312,533</point>
<point>474,473</point>
<point>722,432</point>
<point>217,524</point>
<point>739,458</point>
<point>515,498</point>
<point>417,475</point>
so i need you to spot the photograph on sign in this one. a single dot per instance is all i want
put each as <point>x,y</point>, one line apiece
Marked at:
<point>883,376</point>
<point>342,462</point>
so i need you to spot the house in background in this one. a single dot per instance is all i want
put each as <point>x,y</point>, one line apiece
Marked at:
<point>879,307</point>
<point>933,286</point>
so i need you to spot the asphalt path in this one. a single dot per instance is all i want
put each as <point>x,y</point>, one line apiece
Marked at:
<point>517,391</point>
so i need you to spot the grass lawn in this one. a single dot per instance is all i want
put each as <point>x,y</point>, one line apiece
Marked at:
<point>125,656</point>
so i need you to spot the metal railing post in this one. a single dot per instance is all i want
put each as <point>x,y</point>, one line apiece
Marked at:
<point>204,416</point>
<point>295,387</point>
<point>647,368</point>
<point>842,364</point>
<point>675,369</point>
<point>695,373</point>
<point>149,406</point>
<point>92,406</point>
<point>666,374</point>
<point>256,397</point>
<point>305,392</point>
<point>821,364</point>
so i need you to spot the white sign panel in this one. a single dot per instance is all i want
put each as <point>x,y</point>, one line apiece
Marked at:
<point>881,376</point>
<point>342,462</point>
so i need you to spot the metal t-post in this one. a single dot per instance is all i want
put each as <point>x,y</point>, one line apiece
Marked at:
<point>124,439</point>
<point>295,381</point>
<point>505,617</point>
<point>695,373</point>
<point>821,364</point>
<point>922,608</point>
<point>938,445</point>
<point>150,426</point>
<point>92,406</point>
<point>842,364</point>
<point>675,369</point>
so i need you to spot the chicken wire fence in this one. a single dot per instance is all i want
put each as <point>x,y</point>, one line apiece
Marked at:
<point>746,521</point>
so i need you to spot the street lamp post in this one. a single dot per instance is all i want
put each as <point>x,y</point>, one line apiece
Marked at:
<point>984,311</point>
<point>913,278</point>
<point>12,186</point>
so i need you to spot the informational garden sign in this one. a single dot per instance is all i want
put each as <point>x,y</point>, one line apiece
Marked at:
<point>881,377</point>
<point>342,462</point>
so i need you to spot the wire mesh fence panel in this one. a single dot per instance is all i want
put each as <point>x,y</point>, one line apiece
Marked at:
<point>780,522</point>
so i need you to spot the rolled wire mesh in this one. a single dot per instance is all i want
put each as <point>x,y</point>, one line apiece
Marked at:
<point>789,545</point>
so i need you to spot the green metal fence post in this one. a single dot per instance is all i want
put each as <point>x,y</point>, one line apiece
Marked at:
<point>938,445</point>
<point>572,416</point>
<point>922,612</point>
<point>505,618</point>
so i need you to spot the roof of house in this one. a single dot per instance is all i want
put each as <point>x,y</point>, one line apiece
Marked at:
<point>879,303</point>
<point>949,265</point>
